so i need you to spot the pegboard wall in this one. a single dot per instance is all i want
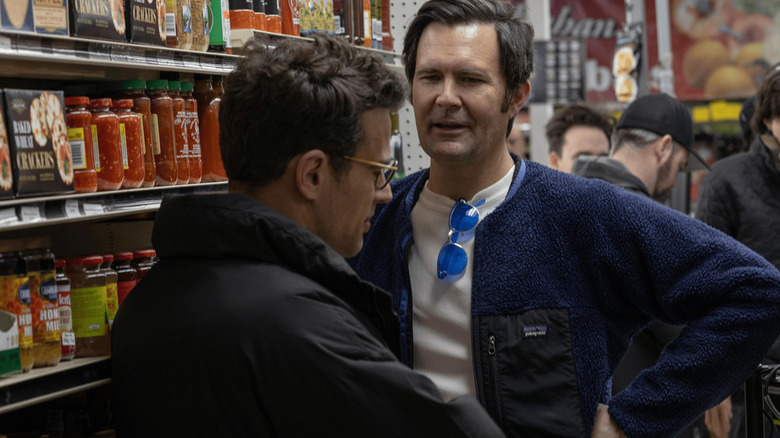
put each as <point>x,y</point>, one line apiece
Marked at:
<point>401,13</point>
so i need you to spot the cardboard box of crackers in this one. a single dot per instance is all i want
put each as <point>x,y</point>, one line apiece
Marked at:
<point>104,19</point>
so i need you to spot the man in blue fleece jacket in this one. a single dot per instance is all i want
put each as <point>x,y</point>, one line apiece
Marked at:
<point>522,285</point>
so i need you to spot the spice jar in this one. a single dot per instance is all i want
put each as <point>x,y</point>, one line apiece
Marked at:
<point>143,260</point>
<point>67,339</point>
<point>127,274</point>
<point>180,129</point>
<point>132,145</point>
<point>162,123</point>
<point>193,132</point>
<point>47,348</point>
<point>208,119</point>
<point>15,298</point>
<point>88,301</point>
<point>110,171</point>
<point>273,21</point>
<point>259,9</point>
<point>200,30</point>
<point>79,121</point>
<point>112,295</point>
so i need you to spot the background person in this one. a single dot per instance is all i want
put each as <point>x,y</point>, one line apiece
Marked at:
<point>252,324</point>
<point>575,131</point>
<point>530,304</point>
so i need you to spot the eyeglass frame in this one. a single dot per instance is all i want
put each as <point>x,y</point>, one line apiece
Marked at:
<point>392,167</point>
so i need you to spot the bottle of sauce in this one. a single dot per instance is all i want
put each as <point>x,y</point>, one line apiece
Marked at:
<point>208,119</point>
<point>164,141</point>
<point>47,348</point>
<point>88,301</point>
<point>193,132</point>
<point>68,339</point>
<point>79,121</point>
<point>290,18</point>
<point>112,293</point>
<point>15,298</point>
<point>143,260</point>
<point>273,21</point>
<point>136,89</point>
<point>180,129</point>
<point>131,131</point>
<point>259,8</point>
<point>127,274</point>
<point>217,31</point>
<point>110,171</point>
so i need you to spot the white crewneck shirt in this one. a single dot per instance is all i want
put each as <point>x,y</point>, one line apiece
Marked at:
<point>442,308</point>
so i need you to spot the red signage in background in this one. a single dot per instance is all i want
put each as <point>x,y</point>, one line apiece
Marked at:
<point>723,47</point>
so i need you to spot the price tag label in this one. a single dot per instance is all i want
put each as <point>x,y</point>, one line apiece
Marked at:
<point>119,53</point>
<point>31,213</point>
<point>206,62</point>
<point>99,51</point>
<point>82,49</point>
<point>64,48</point>
<point>136,55</point>
<point>150,57</point>
<point>29,45</point>
<point>72,208</point>
<point>165,57</point>
<point>190,61</point>
<point>8,215</point>
<point>178,60</point>
<point>217,64</point>
<point>5,44</point>
<point>90,209</point>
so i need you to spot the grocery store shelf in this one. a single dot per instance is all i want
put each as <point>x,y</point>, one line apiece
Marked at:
<point>43,384</point>
<point>92,58</point>
<point>46,211</point>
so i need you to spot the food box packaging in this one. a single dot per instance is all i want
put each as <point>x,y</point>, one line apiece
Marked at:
<point>316,16</point>
<point>50,17</point>
<point>6,169</point>
<point>40,151</point>
<point>146,21</point>
<point>16,15</point>
<point>10,359</point>
<point>103,19</point>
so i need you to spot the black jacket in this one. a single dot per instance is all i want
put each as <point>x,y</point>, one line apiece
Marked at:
<point>251,326</point>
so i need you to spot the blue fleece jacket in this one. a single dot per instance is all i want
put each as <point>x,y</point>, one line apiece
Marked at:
<point>586,265</point>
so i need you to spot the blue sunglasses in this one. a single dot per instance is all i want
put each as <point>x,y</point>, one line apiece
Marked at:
<point>464,218</point>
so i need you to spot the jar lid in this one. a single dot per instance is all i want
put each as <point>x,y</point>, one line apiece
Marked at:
<point>123,103</point>
<point>174,85</point>
<point>103,102</point>
<point>76,100</point>
<point>108,258</point>
<point>144,253</point>
<point>132,84</point>
<point>127,255</point>
<point>159,84</point>
<point>86,260</point>
<point>59,263</point>
<point>187,86</point>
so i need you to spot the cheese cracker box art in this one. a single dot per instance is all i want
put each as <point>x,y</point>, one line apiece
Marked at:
<point>146,21</point>
<point>50,17</point>
<point>6,170</point>
<point>16,15</point>
<point>40,151</point>
<point>98,19</point>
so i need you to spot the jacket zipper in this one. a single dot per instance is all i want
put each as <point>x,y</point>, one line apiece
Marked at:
<point>493,370</point>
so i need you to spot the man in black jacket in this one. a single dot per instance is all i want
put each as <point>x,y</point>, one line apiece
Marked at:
<point>252,324</point>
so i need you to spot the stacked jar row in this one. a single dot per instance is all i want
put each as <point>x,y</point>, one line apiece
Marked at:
<point>147,133</point>
<point>65,307</point>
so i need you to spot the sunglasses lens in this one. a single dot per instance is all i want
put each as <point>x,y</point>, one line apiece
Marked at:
<point>452,260</point>
<point>463,217</point>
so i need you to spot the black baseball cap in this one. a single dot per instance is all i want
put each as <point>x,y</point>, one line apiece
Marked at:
<point>663,114</point>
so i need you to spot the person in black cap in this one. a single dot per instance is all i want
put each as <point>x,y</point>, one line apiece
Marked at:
<point>741,195</point>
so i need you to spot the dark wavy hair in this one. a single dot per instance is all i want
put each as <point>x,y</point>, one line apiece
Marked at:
<point>515,37</point>
<point>767,101</point>
<point>292,96</point>
<point>575,115</point>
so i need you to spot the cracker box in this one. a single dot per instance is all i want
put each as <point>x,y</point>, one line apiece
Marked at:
<point>104,19</point>
<point>16,15</point>
<point>146,21</point>
<point>6,169</point>
<point>40,151</point>
<point>50,17</point>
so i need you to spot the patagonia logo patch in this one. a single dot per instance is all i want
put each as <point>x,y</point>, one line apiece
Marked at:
<point>534,331</point>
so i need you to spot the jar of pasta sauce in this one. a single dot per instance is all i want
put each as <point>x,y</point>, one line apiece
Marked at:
<point>136,89</point>
<point>126,272</point>
<point>67,339</point>
<point>180,128</point>
<point>162,123</point>
<point>79,121</point>
<point>112,296</point>
<point>132,146</point>
<point>109,166</point>
<point>15,298</point>
<point>193,132</point>
<point>88,303</point>
<point>143,260</point>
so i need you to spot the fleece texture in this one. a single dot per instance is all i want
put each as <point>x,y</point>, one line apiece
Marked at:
<point>612,261</point>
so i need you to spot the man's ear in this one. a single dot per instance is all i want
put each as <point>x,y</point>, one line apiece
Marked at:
<point>520,97</point>
<point>554,158</point>
<point>663,148</point>
<point>311,173</point>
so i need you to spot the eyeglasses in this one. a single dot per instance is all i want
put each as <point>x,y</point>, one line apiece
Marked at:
<point>388,169</point>
<point>464,218</point>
